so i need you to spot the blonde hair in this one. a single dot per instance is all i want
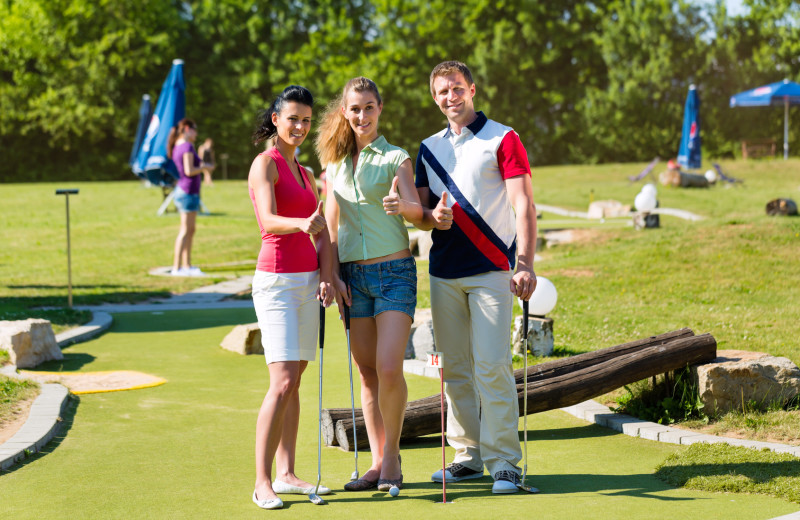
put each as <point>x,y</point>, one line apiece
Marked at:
<point>335,139</point>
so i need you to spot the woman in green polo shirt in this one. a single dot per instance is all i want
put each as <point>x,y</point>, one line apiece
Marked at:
<point>366,177</point>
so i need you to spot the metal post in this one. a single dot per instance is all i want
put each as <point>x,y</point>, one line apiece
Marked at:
<point>224,158</point>
<point>67,193</point>
<point>785,127</point>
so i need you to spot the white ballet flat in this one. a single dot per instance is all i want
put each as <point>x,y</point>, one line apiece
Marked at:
<point>275,503</point>
<point>279,486</point>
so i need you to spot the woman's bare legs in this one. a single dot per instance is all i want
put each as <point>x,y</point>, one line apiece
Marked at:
<point>285,456</point>
<point>363,337</point>
<point>183,242</point>
<point>379,346</point>
<point>284,381</point>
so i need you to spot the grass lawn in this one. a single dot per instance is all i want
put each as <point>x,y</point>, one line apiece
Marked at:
<point>185,449</point>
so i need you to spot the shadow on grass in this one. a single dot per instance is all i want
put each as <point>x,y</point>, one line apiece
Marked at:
<point>32,302</point>
<point>756,472</point>
<point>67,420</point>
<point>70,363</point>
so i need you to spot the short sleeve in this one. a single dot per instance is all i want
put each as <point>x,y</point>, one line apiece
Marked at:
<point>512,157</point>
<point>420,173</point>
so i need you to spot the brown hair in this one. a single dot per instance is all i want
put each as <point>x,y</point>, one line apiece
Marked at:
<point>177,130</point>
<point>336,139</point>
<point>446,68</point>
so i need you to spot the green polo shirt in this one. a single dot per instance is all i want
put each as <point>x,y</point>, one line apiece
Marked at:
<point>365,230</point>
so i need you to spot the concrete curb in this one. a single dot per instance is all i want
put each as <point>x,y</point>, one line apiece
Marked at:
<point>595,412</point>
<point>101,321</point>
<point>42,425</point>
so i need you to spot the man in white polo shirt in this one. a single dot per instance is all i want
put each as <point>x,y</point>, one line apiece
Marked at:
<point>474,182</point>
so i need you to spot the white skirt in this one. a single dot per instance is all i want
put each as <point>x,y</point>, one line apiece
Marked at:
<point>288,314</point>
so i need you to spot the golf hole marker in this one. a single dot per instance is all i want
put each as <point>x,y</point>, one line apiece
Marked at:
<point>435,360</point>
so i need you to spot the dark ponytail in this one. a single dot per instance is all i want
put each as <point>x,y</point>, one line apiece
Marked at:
<point>265,129</point>
<point>176,131</point>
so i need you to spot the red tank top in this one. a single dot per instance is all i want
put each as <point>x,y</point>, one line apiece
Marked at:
<point>294,252</point>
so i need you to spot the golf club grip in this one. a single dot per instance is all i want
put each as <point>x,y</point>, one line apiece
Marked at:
<point>525,321</point>
<point>346,316</point>
<point>321,326</point>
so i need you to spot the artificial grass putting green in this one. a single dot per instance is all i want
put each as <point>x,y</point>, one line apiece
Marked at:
<point>185,449</point>
<point>720,467</point>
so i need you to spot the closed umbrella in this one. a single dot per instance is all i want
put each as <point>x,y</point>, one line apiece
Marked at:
<point>776,94</point>
<point>145,113</point>
<point>152,160</point>
<point>689,154</point>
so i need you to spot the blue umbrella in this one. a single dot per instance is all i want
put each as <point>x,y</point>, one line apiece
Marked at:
<point>776,94</point>
<point>152,160</point>
<point>689,154</point>
<point>145,113</point>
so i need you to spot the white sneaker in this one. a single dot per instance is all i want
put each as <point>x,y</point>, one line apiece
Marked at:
<point>195,271</point>
<point>180,272</point>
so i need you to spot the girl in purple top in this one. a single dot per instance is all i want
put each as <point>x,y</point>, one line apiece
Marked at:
<point>180,147</point>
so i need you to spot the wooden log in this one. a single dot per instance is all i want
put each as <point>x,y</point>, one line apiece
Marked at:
<point>576,387</point>
<point>329,418</point>
<point>588,373</point>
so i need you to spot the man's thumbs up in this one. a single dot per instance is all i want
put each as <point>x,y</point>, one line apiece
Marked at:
<point>442,215</point>
<point>391,202</point>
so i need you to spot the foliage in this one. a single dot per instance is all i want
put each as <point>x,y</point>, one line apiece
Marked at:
<point>733,469</point>
<point>580,82</point>
<point>12,391</point>
<point>673,398</point>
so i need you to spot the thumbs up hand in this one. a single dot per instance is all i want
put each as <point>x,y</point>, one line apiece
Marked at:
<point>443,215</point>
<point>315,223</point>
<point>391,202</point>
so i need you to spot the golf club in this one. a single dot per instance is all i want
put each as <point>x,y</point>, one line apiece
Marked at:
<point>521,485</point>
<point>354,476</point>
<point>314,497</point>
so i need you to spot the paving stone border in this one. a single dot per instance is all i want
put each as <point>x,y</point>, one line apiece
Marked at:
<point>42,425</point>
<point>44,418</point>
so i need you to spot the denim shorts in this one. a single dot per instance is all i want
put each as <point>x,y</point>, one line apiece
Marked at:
<point>386,286</point>
<point>186,202</point>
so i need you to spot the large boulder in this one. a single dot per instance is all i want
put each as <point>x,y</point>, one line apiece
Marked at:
<point>29,342</point>
<point>540,336</point>
<point>244,339</point>
<point>736,378</point>
<point>420,340</point>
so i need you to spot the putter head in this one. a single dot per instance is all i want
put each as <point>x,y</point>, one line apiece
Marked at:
<point>354,476</point>
<point>315,499</point>
<point>528,489</point>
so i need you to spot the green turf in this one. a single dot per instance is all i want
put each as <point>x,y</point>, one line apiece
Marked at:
<point>185,449</point>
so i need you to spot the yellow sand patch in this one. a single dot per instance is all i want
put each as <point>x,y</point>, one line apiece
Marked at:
<point>97,382</point>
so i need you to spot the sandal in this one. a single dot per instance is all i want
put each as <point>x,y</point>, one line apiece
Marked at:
<point>361,484</point>
<point>385,484</point>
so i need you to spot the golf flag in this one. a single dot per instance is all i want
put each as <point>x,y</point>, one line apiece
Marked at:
<point>435,360</point>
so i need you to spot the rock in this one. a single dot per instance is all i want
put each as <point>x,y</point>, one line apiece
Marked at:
<point>736,378</point>
<point>540,336</point>
<point>424,244</point>
<point>29,342</point>
<point>244,339</point>
<point>781,207</point>
<point>600,209</point>
<point>420,340</point>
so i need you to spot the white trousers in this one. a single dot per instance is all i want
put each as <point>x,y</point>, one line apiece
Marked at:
<point>472,329</point>
<point>288,314</point>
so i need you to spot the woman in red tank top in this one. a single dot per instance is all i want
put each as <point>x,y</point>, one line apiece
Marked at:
<point>293,276</point>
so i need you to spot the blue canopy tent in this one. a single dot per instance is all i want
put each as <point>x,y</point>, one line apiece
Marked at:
<point>689,153</point>
<point>145,113</point>
<point>776,94</point>
<point>152,162</point>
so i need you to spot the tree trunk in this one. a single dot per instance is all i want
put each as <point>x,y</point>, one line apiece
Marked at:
<point>560,383</point>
